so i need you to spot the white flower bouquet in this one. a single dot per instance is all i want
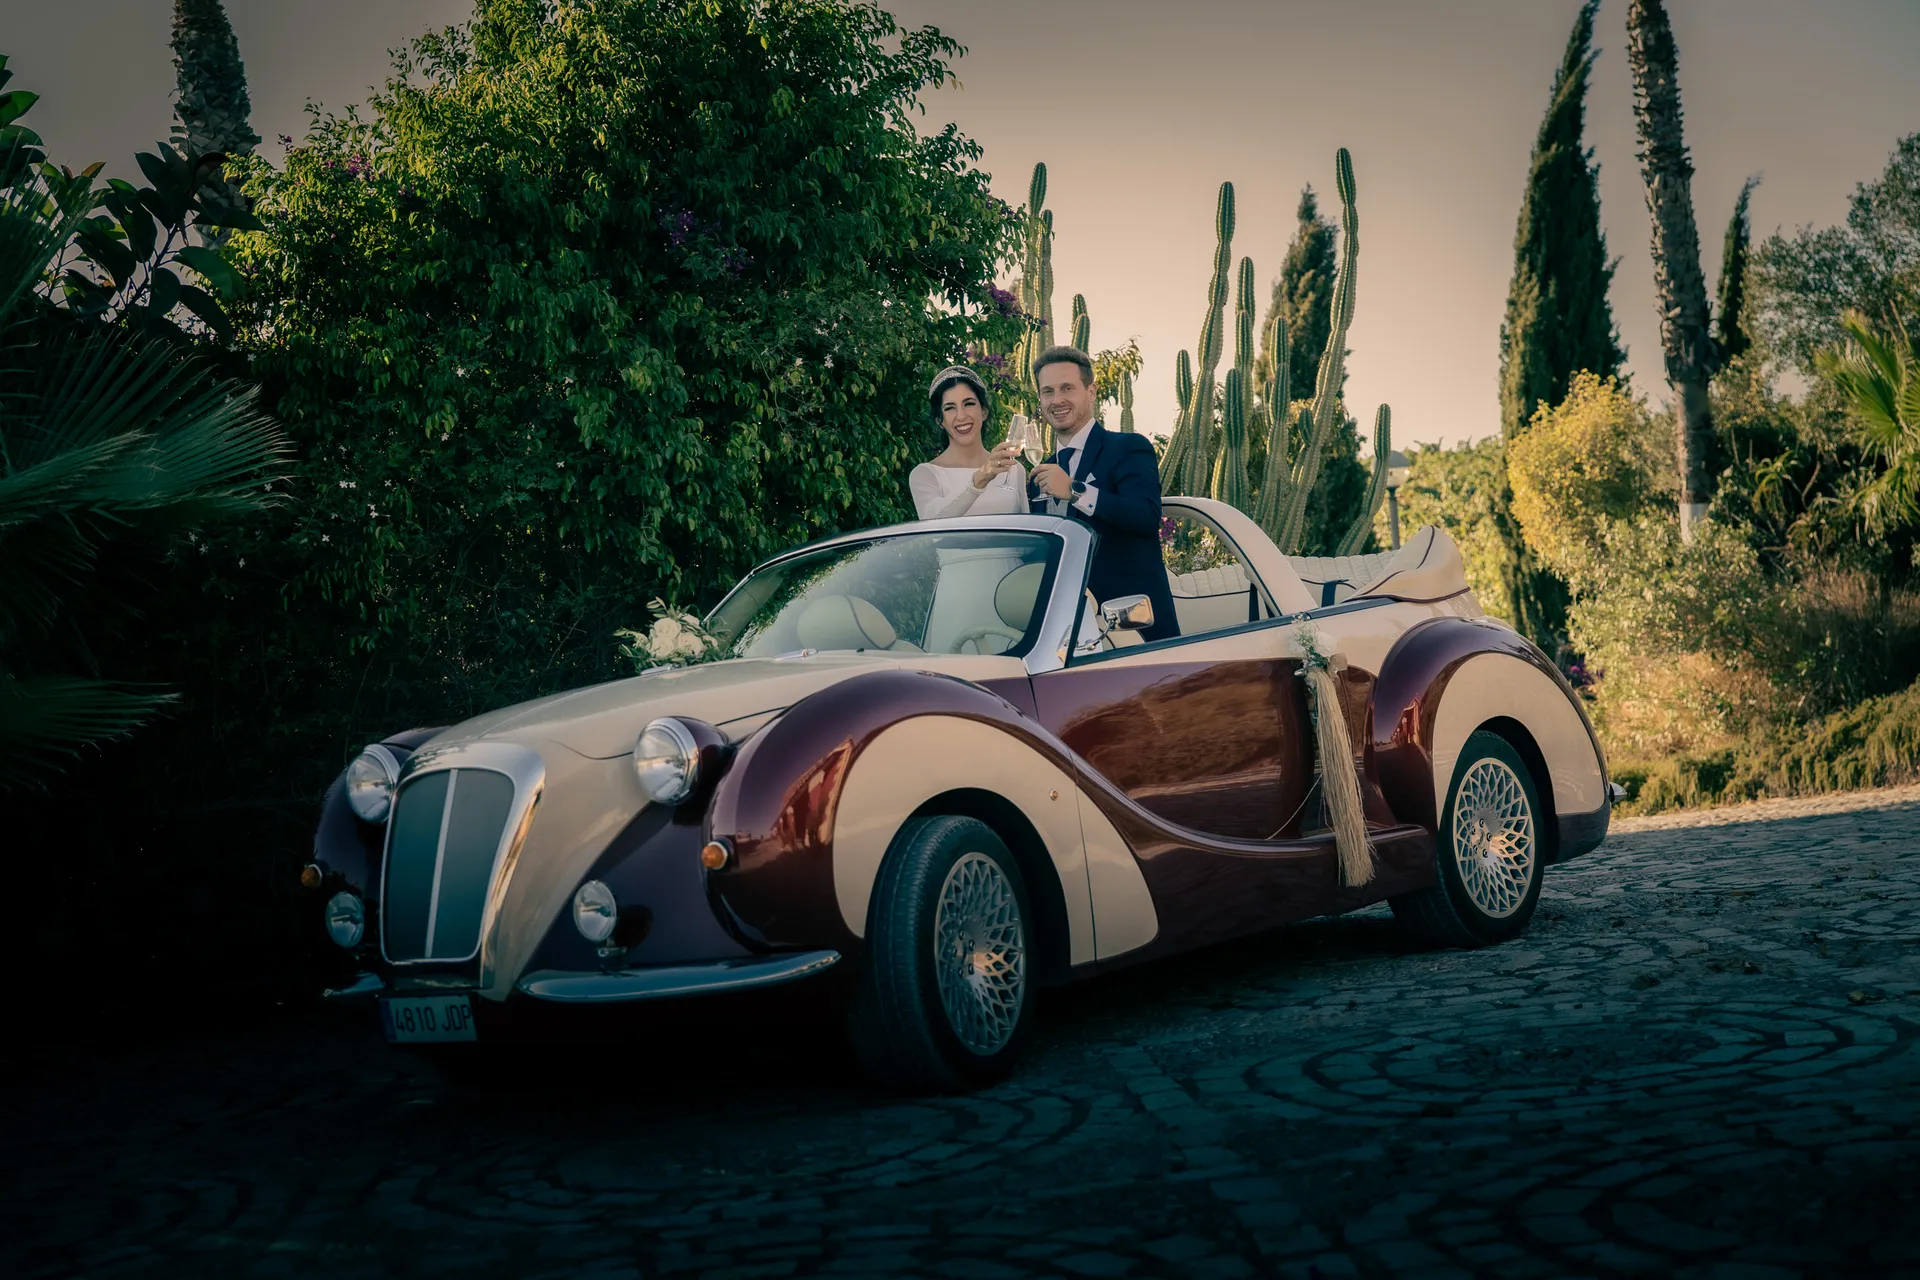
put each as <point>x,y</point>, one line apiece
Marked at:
<point>676,639</point>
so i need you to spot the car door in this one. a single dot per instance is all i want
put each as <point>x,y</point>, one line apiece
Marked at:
<point>1208,731</point>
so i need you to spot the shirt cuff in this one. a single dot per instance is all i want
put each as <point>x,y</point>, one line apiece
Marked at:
<point>1086,500</point>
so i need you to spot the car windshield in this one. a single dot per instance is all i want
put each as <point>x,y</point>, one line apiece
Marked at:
<point>945,592</point>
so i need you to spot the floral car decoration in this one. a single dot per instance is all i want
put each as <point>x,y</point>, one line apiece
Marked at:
<point>924,773</point>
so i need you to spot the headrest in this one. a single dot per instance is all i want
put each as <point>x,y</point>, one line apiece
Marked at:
<point>1014,598</point>
<point>843,622</point>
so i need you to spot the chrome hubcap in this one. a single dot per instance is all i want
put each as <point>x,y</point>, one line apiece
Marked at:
<point>980,954</point>
<point>1493,837</point>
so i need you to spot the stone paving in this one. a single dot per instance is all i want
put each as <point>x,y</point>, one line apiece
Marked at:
<point>1699,1062</point>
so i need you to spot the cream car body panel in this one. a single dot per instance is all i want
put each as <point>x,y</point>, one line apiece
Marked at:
<point>563,839</point>
<point>915,760</point>
<point>1124,918</point>
<point>603,721</point>
<point>1492,685</point>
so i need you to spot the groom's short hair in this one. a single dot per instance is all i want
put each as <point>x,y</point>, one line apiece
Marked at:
<point>1065,355</point>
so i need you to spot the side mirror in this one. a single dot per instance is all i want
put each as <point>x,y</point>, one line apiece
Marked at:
<point>1128,613</point>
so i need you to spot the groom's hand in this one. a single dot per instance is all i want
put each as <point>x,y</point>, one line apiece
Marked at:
<point>1053,480</point>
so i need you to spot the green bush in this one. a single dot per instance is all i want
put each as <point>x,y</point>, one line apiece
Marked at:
<point>1873,744</point>
<point>597,304</point>
<point>1456,488</point>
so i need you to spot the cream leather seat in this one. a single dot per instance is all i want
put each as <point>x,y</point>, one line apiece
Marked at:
<point>1427,568</point>
<point>1210,599</point>
<point>848,622</point>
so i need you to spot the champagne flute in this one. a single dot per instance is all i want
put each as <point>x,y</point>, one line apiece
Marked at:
<point>1026,439</point>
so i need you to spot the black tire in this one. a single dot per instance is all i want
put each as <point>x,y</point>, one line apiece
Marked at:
<point>1471,906</point>
<point>900,1026</point>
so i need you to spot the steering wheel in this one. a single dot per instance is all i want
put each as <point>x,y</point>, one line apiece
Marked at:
<point>973,635</point>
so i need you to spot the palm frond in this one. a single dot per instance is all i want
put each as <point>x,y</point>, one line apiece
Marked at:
<point>45,721</point>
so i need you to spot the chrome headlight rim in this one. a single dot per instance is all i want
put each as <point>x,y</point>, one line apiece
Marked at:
<point>595,911</point>
<point>669,775</point>
<point>370,796</point>
<point>345,917</point>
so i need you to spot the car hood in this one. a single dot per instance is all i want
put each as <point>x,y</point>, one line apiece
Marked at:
<point>602,721</point>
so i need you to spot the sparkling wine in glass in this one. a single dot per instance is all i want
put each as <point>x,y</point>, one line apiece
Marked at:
<point>1026,439</point>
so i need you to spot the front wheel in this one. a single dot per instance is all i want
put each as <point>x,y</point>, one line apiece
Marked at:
<point>1488,851</point>
<point>945,1000</point>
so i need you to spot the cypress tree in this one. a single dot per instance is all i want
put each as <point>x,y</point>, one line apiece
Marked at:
<point>1558,321</point>
<point>1732,337</point>
<point>211,108</point>
<point>1304,295</point>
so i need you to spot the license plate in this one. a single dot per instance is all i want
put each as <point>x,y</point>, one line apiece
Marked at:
<point>427,1019</point>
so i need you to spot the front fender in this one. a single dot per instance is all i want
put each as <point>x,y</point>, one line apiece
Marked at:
<point>347,850</point>
<point>813,801</point>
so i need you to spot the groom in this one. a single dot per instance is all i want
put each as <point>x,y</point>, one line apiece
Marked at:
<point>1109,480</point>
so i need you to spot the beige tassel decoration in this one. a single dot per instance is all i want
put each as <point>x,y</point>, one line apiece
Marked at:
<point>1338,773</point>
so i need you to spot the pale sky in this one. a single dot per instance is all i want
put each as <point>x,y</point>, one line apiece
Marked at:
<point>1141,109</point>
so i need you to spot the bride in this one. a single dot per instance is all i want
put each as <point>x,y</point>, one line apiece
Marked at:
<point>966,480</point>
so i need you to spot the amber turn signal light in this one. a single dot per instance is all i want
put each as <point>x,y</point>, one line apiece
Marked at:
<point>715,854</point>
<point>310,876</point>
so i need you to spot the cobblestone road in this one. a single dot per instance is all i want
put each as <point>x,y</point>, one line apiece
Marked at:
<point>1700,1062</point>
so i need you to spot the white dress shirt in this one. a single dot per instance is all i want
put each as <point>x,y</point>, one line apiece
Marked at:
<point>1069,455</point>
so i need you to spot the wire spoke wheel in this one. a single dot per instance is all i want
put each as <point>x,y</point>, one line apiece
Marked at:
<point>980,954</point>
<point>1493,837</point>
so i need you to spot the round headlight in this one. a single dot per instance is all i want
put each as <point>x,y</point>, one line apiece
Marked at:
<point>346,919</point>
<point>370,780</point>
<point>667,759</point>
<point>594,911</point>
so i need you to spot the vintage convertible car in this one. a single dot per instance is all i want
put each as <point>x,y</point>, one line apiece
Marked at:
<point>936,773</point>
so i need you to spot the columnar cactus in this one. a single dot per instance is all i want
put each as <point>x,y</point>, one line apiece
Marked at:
<point>1327,383</point>
<point>1082,324</point>
<point>1189,462</point>
<point>1230,480</point>
<point>1126,402</point>
<point>1276,408</point>
<point>1376,487</point>
<point>1036,286</point>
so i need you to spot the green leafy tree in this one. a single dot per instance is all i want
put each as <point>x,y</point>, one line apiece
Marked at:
<point>117,446</point>
<point>1558,322</point>
<point>1802,283</point>
<point>597,304</point>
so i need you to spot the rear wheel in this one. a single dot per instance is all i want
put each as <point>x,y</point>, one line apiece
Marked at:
<point>945,999</point>
<point>1488,851</point>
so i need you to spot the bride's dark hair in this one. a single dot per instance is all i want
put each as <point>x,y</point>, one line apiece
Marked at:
<point>946,380</point>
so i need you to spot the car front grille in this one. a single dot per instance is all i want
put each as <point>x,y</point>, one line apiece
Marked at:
<point>445,840</point>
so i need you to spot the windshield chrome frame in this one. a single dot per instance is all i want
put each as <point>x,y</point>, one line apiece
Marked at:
<point>1069,578</point>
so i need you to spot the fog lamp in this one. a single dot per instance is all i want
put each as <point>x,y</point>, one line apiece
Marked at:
<point>594,911</point>
<point>715,854</point>
<point>370,780</point>
<point>346,919</point>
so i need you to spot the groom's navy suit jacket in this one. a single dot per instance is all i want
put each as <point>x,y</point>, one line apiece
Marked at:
<point>1126,515</point>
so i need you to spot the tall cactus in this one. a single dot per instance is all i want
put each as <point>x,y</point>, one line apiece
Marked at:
<point>1082,324</point>
<point>1277,408</point>
<point>1173,458</point>
<point>1231,483</point>
<point>1376,487</point>
<point>1126,402</point>
<point>1332,372</point>
<point>1187,468</point>
<point>1036,286</point>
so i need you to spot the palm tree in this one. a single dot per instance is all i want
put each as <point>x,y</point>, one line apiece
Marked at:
<point>113,442</point>
<point>1668,173</point>
<point>1879,377</point>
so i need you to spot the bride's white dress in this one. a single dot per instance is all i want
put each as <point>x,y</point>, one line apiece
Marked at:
<point>963,598</point>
